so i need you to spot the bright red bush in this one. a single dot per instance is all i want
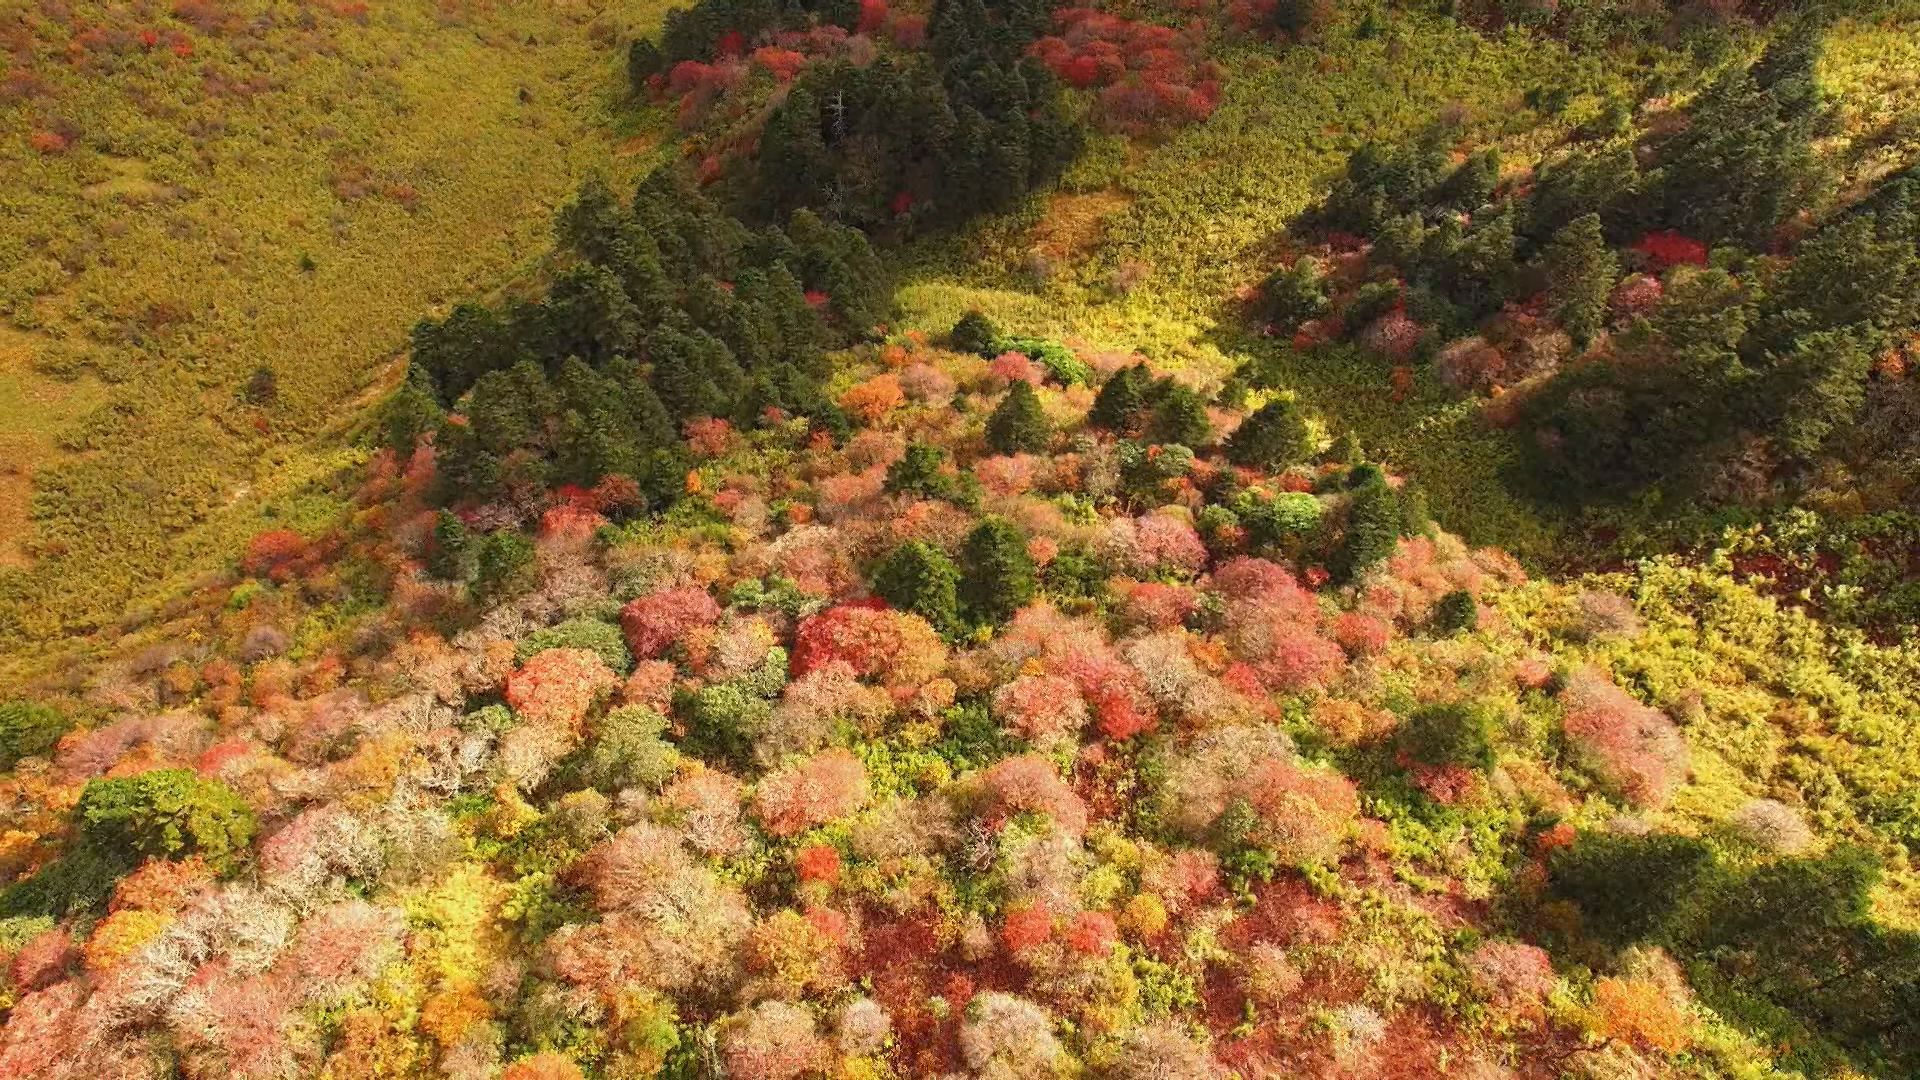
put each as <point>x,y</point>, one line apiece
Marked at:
<point>1026,928</point>
<point>661,619</point>
<point>1667,248</point>
<point>894,648</point>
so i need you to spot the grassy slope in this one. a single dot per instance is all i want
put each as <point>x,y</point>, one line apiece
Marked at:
<point>1203,209</point>
<point>161,261</point>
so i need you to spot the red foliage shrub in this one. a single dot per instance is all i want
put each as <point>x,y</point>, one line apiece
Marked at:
<point>1511,973</point>
<point>570,521</point>
<point>1091,932</point>
<point>43,960</point>
<point>49,142</point>
<point>1150,74</point>
<point>272,551</point>
<point>1028,783</point>
<point>817,862</point>
<point>41,1031</point>
<point>784,64</point>
<point>558,686</point>
<point>709,436</point>
<point>1361,634</point>
<point>1156,605</point>
<point>1012,367</point>
<point>1040,708</point>
<point>162,885</point>
<point>873,17</point>
<point>894,648</point>
<point>1667,248</point>
<point>661,619</point>
<point>1026,928</point>
<point>1304,812</point>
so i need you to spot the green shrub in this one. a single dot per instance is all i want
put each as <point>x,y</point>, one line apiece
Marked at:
<point>28,729</point>
<point>166,813</point>
<point>600,638</point>
<point>627,750</point>
<point>975,333</point>
<point>999,576</point>
<point>918,577</point>
<point>1273,438</point>
<point>504,565</point>
<point>1452,734</point>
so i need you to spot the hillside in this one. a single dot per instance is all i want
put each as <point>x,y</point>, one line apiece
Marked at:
<point>1276,538</point>
<point>202,193</point>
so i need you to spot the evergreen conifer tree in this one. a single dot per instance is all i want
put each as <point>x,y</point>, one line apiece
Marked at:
<point>1273,438</point>
<point>1019,425</point>
<point>999,574</point>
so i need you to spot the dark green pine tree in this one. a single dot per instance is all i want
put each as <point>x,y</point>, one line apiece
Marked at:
<point>507,410</point>
<point>1605,181</point>
<point>998,573</point>
<point>1472,184</point>
<point>918,577</point>
<point>1121,405</point>
<point>1819,388</point>
<point>1745,162</point>
<point>1019,425</point>
<point>410,413</point>
<point>644,61</point>
<point>695,374</point>
<point>450,558</point>
<point>778,306</point>
<point>976,333</point>
<point>504,566</point>
<point>589,315</point>
<point>795,167</point>
<point>455,351</point>
<point>921,472</point>
<point>1179,415</point>
<point>1581,271</point>
<point>838,261</point>
<point>1273,438</point>
<point>1373,529</point>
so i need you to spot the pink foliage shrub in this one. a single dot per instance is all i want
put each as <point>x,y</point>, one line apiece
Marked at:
<point>1041,708</point>
<point>1029,784</point>
<point>828,786</point>
<point>1511,973</point>
<point>1634,749</point>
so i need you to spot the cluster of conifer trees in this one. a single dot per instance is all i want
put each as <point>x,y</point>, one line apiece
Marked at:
<point>1765,342</point>
<point>969,126</point>
<point>670,310</point>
